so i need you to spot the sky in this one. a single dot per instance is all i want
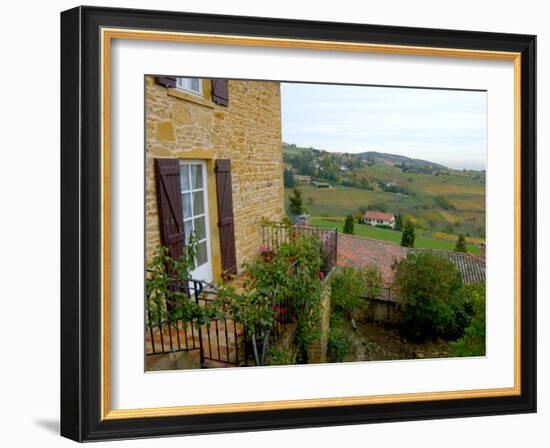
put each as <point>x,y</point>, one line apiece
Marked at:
<point>442,126</point>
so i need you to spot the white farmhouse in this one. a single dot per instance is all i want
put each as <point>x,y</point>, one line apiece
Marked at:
<point>379,218</point>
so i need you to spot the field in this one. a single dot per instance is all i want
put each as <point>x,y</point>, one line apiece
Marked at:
<point>392,236</point>
<point>342,200</point>
<point>441,202</point>
<point>466,214</point>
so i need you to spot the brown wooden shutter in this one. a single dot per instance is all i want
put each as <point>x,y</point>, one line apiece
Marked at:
<point>166,81</point>
<point>169,206</point>
<point>220,91</point>
<point>225,216</point>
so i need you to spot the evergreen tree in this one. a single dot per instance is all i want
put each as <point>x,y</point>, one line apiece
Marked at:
<point>288,178</point>
<point>407,239</point>
<point>348,225</point>
<point>296,202</point>
<point>399,222</point>
<point>461,244</point>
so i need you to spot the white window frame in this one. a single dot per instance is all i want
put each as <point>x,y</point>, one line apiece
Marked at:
<point>185,84</point>
<point>208,266</point>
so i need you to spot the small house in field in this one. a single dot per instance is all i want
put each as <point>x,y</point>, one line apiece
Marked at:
<point>379,219</point>
<point>325,185</point>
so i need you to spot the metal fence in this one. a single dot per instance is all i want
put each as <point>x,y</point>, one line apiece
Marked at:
<point>274,234</point>
<point>222,340</point>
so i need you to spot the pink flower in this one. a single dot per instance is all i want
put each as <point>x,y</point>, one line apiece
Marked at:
<point>321,276</point>
<point>283,310</point>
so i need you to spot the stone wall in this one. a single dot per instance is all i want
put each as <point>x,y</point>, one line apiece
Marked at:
<point>247,131</point>
<point>383,311</point>
<point>317,351</point>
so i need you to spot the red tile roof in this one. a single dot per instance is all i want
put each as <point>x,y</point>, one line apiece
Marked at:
<point>379,215</point>
<point>361,252</point>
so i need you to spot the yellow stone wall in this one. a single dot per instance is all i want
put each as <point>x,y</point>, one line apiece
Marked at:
<point>247,131</point>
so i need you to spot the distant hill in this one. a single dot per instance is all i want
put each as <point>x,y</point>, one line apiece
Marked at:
<point>436,198</point>
<point>394,159</point>
<point>375,157</point>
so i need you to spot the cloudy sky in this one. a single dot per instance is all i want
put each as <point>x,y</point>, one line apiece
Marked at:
<point>443,126</point>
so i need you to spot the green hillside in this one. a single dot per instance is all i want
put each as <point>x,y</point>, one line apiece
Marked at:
<point>434,197</point>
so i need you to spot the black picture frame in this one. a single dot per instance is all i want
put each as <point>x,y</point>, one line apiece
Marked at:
<point>81,224</point>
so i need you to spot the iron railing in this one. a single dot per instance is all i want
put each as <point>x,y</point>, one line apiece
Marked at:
<point>274,234</point>
<point>223,340</point>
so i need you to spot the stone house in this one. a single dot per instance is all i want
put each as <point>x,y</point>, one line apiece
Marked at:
<point>375,218</point>
<point>214,168</point>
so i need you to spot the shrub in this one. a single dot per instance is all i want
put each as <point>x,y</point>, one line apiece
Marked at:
<point>433,297</point>
<point>460,245</point>
<point>408,236</point>
<point>372,279</point>
<point>163,300</point>
<point>473,341</point>
<point>348,225</point>
<point>338,347</point>
<point>289,275</point>
<point>282,356</point>
<point>288,178</point>
<point>349,286</point>
<point>399,222</point>
<point>296,204</point>
<point>347,289</point>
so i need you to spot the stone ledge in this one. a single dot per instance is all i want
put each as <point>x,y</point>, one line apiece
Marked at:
<point>177,93</point>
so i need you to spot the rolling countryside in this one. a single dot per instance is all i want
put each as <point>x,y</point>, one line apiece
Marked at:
<point>440,201</point>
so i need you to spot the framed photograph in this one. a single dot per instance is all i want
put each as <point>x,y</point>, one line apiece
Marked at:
<point>273,223</point>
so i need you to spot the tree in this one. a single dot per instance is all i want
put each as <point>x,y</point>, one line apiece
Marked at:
<point>373,281</point>
<point>296,202</point>
<point>432,296</point>
<point>348,225</point>
<point>461,244</point>
<point>288,178</point>
<point>408,236</point>
<point>473,341</point>
<point>347,291</point>
<point>399,222</point>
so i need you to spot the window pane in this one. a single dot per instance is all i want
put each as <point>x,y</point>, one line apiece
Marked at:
<point>200,228</point>
<point>198,203</point>
<point>194,84</point>
<point>186,199</point>
<point>188,229</point>
<point>196,176</point>
<point>184,177</point>
<point>202,256</point>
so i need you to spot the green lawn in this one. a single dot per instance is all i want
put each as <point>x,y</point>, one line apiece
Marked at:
<point>392,236</point>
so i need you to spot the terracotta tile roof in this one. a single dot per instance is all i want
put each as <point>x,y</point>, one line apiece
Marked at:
<point>378,215</point>
<point>471,268</point>
<point>364,252</point>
